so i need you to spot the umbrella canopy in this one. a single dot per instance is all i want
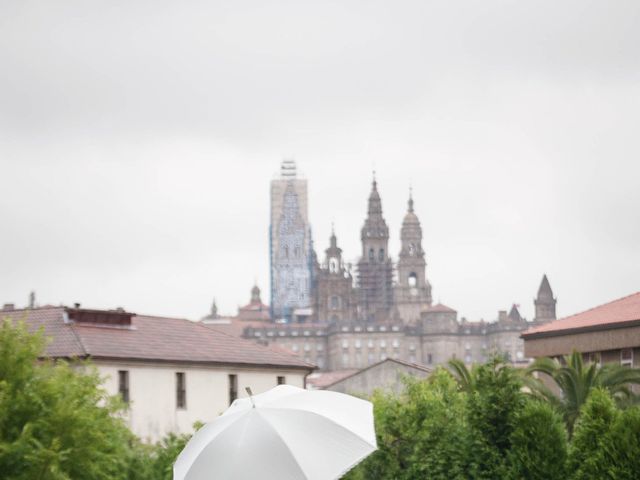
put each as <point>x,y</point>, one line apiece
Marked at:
<point>286,433</point>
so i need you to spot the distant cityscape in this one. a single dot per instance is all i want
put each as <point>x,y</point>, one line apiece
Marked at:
<point>340,316</point>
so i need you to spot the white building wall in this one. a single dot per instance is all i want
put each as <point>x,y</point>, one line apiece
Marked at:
<point>152,393</point>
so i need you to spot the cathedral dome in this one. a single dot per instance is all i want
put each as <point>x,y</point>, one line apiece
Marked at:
<point>410,218</point>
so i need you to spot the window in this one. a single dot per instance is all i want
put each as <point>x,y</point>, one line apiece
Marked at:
<point>429,359</point>
<point>233,388</point>
<point>371,358</point>
<point>181,390</point>
<point>372,255</point>
<point>123,385</point>
<point>281,380</point>
<point>334,302</point>
<point>296,252</point>
<point>381,254</point>
<point>396,343</point>
<point>345,360</point>
<point>412,280</point>
<point>319,347</point>
<point>286,252</point>
<point>383,344</point>
<point>626,357</point>
<point>358,343</point>
<point>345,344</point>
<point>333,265</point>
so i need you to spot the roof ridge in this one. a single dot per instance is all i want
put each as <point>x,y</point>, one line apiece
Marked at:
<point>599,306</point>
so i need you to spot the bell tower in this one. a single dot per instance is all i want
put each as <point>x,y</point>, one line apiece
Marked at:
<point>413,291</point>
<point>375,269</point>
<point>545,303</point>
<point>334,300</point>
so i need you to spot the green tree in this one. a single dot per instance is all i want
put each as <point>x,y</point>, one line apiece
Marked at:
<point>56,422</point>
<point>165,453</point>
<point>538,444</point>
<point>464,377</point>
<point>622,447</point>
<point>421,434</point>
<point>575,380</point>
<point>493,407</point>
<point>587,454</point>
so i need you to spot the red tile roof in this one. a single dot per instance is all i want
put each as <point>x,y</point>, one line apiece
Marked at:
<point>610,315</point>
<point>149,338</point>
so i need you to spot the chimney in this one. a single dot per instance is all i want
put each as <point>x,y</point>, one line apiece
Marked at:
<point>76,305</point>
<point>7,307</point>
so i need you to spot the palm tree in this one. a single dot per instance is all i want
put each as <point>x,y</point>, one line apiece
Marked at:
<point>464,377</point>
<point>574,380</point>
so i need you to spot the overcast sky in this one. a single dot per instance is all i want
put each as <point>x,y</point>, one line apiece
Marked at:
<point>138,140</point>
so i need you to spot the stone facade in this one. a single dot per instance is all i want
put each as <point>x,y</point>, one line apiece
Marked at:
<point>386,375</point>
<point>434,339</point>
<point>334,295</point>
<point>358,318</point>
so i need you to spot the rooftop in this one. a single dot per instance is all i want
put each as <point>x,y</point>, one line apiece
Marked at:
<point>615,314</point>
<point>145,338</point>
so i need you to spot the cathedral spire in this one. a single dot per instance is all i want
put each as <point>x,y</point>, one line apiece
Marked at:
<point>410,209</point>
<point>333,240</point>
<point>375,203</point>
<point>545,304</point>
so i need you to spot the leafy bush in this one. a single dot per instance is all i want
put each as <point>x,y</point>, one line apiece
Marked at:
<point>538,444</point>
<point>587,457</point>
<point>56,422</point>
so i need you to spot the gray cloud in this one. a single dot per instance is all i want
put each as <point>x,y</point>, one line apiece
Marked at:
<point>137,140</point>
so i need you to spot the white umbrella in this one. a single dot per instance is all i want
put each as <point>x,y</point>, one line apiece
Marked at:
<point>285,433</point>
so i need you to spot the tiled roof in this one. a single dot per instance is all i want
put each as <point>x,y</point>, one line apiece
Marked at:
<point>150,338</point>
<point>609,315</point>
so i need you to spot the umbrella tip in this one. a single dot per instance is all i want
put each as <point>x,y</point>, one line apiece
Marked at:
<point>248,389</point>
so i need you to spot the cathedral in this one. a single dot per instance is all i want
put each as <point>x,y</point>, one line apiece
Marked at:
<point>341,317</point>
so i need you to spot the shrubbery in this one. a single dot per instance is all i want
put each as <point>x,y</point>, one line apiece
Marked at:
<point>57,423</point>
<point>482,424</point>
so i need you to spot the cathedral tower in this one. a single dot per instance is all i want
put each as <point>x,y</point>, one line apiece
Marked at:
<point>334,293</point>
<point>413,291</point>
<point>290,244</point>
<point>375,270</point>
<point>545,303</point>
